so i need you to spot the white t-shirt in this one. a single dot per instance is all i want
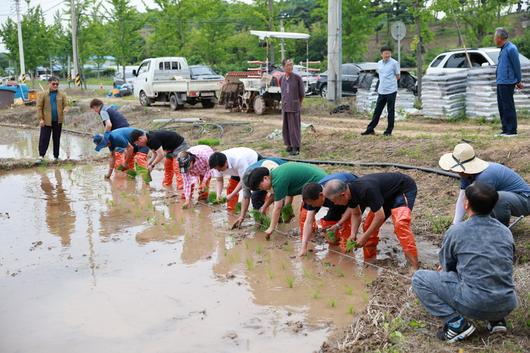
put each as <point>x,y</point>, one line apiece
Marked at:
<point>239,159</point>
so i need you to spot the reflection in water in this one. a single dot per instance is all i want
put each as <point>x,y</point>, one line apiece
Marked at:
<point>23,143</point>
<point>60,217</point>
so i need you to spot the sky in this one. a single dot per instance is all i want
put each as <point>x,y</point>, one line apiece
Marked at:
<point>8,9</point>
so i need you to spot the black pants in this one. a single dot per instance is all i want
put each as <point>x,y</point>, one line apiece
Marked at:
<point>390,101</point>
<point>44,139</point>
<point>507,108</point>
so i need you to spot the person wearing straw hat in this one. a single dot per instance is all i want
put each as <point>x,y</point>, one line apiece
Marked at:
<point>514,191</point>
<point>475,276</point>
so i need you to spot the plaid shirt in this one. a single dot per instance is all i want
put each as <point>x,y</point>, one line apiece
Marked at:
<point>200,168</point>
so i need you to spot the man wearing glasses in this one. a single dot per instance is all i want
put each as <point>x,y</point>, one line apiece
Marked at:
<point>50,111</point>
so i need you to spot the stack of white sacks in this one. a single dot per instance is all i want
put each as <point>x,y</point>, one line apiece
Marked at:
<point>366,99</point>
<point>481,93</point>
<point>444,94</point>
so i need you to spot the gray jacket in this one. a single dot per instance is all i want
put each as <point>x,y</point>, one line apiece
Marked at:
<point>478,254</point>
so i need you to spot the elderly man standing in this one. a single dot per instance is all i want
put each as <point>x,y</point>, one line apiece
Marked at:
<point>293,93</point>
<point>389,73</point>
<point>508,78</point>
<point>50,111</point>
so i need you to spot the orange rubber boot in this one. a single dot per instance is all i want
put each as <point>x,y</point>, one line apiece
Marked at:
<point>401,217</point>
<point>118,159</point>
<point>370,248</point>
<point>141,159</point>
<point>168,172</point>
<point>231,205</point>
<point>180,180</point>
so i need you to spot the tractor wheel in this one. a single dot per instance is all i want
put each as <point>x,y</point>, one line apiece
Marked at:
<point>259,105</point>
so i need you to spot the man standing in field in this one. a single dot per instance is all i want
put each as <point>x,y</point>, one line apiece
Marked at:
<point>293,94</point>
<point>389,73</point>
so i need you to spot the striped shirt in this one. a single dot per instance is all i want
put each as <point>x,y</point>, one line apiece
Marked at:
<point>200,168</point>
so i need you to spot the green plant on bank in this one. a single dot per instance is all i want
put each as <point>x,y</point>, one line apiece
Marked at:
<point>263,221</point>
<point>290,281</point>
<point>287,213</point>
<point>440,223</point>
<point>209,142</point>
<point>212,199</point>
<point>250,264</point>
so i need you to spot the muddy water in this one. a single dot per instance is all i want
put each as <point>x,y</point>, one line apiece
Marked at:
<point>89,265</point>
<point>24,143</point>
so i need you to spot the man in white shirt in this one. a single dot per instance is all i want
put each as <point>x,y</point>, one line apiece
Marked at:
<point>389,74</point>
<point>232,162</point>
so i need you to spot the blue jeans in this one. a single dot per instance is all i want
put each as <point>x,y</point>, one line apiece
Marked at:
<point>510,204</point>
<point>507,108</point>
<point>436,292</point>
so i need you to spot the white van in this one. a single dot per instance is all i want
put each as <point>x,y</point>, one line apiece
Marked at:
<point>168,79</point>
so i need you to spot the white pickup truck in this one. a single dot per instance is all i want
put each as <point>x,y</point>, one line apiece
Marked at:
<point>168,79</point>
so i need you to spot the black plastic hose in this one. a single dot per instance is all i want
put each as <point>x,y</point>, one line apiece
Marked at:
<point>377,164</point>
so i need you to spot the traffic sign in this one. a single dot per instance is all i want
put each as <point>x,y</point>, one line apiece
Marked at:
<point>398,30</point>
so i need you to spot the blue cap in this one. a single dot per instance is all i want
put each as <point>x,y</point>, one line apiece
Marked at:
<point>101,141</point>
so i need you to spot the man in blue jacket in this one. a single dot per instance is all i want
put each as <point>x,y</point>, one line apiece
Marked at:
<point>508,78</point>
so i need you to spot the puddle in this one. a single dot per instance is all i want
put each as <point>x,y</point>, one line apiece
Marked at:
<point>116,266</point>
<point>24,143</point>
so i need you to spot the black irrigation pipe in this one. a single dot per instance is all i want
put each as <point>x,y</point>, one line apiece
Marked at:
<point>376,164</point>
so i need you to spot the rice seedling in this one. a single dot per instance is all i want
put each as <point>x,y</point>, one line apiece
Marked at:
<point>290,281</point>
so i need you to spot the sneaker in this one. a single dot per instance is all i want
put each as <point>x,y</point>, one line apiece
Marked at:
<point>504,134</point>
<point>368,132</point>
<point>497,326</point>
<point>456,330</point>
<point>40,160</point>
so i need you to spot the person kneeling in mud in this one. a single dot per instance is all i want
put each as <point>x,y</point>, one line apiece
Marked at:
<point>285,180</point>
<point>386,194</point>
<point>233,163</point>
<point>166,144</point>
<point>336,222</point>
<point>194,168</point>
<point>261,200</point>
<point>118,142</point>
<point>475,277</point>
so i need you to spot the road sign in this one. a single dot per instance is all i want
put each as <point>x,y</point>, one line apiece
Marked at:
<point>398,30</point>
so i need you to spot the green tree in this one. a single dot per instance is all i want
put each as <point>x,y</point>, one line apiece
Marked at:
<point>124,33</point>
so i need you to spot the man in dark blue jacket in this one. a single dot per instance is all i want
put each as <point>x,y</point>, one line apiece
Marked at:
<point>508,78</point>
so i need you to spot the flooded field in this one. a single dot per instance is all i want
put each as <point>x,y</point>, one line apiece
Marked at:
<point>91,265</point>
<point>24,143</point>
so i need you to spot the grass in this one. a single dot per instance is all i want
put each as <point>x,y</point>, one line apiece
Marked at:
<point>106,81</point>
<point>290,281</point>
<point>250,264</point>
<point>440,223</point>
<point>209,142</point>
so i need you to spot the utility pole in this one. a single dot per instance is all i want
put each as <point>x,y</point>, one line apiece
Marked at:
<point>271,28</point>
<point>75,56</point>
<point>334,50</point>
<point>282,29</point>
<point>20,44</point>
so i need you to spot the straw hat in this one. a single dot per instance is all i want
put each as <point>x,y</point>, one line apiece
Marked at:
<point>463,159</point>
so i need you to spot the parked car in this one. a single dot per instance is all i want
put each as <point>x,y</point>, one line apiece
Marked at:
<point>44,77</point>
<point>129,78</point>
<point>168,79</point>
<point>456,60</point>
<point>310,79</point>
<point>350,74</point>
<point>406,80</point>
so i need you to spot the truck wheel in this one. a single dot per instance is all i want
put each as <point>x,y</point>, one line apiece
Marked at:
<point>259,105</point>
<point>173,103</point>
<point>207,104</point>
<point>144,100</point>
